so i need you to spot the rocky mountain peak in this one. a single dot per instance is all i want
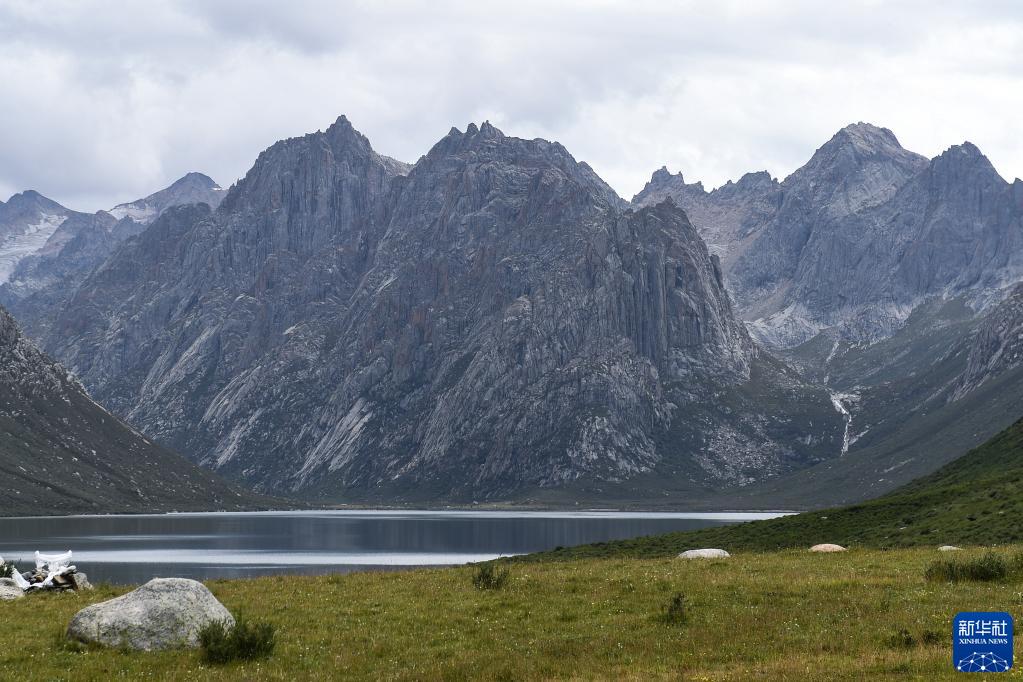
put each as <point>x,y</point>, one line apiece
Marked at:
<point>755,179</point>
<point>664,184</point>
<point>313,167</point>
<point>867,138</point>
<point>662,174</point>
<point>194,179</point>
<point>964,164</point>
<point>486,145</point>
<point>342,133</point>
<point>862,155</point>
<point>31,200</point>
<point>488,130</point>
<point>750,184</point>
<point>191,188</point>
<point>496,319</point>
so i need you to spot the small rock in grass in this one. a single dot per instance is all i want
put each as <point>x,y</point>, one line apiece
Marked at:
<point>949,548</point>
<point>704,554</point>
<point>80,581</point>
<point>9,590</point>
<point>165,613</point>
<point>827,547</point>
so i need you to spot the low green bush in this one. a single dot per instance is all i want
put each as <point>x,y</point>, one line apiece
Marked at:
<point>903,639</point>
<point>489,577</point>
<point>246,641</point>
<point>8,567</point>
<point>986,568</point>
<point>675,612</point>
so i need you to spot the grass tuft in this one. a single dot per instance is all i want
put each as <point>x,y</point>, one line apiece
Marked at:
<point>489,577</point>
<point>675,612</point>
<point>987,568</point>
<point>7,569</point>
<point>245,641</point>
<point>903,639</point>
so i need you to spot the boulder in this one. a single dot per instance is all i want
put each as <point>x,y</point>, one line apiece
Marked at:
<point>9,590</point>
<point>704,554</point>
<point>79,581</point>
<point>165,613</point>
<point>949,548</point>
<point>828,547</point>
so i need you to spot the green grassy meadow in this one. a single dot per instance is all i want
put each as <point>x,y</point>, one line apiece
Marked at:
<point>787,615</point>
<point>975,500</point>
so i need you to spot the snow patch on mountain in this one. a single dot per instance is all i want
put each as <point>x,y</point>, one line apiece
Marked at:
<point>18,246</point>
<point>138,211</point>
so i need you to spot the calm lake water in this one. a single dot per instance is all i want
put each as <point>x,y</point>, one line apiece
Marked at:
<point>132,549</point>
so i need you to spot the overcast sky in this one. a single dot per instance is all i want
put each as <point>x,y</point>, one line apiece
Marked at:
<point>104,102</point>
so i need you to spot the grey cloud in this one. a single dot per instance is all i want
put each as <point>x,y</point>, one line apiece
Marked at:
<point>105,102</point>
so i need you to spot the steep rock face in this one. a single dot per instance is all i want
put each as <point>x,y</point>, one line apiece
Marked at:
<point>997,346</point>
<point>27,221</point>
<point>728,218</point>
<point>860,167</point>
<point>494,320</point>
<point>524,324</point>
<point>42,282</point>
<point>952,229</point>
<point>62,453</point>
<point>198,317</point>
<point>861,235</point>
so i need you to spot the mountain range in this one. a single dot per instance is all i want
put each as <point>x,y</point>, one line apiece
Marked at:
<point>853,241</point>
<point>494,323</point>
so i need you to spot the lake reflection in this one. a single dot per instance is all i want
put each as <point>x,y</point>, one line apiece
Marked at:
<point>131,549</point>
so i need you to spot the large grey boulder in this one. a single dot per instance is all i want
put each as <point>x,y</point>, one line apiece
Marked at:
<point>9,590</point>
<point>165,613</point>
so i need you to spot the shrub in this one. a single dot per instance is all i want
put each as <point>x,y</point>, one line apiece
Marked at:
<point>244,642</point>
<point>675,613</point>
<point>489,577</point>
<point>987,568</point>
<point>6,569</point>
<point>903,639</point>
<point>1016,564</point>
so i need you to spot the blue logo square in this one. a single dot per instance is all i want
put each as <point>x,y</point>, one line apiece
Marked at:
<point>982,641</point>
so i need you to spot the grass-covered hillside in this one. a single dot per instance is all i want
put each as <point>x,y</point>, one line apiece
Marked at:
<point>975,500</point>
<point>791,615</point>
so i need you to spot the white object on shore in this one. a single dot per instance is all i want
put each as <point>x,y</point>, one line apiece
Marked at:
<point>949,548</point>
<point>704,554</point>
<point>53,562</point>
<point>20,581</point>
<point>828,547</point>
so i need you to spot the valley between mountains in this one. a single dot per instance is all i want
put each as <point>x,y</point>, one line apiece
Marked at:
<point>494,324</point>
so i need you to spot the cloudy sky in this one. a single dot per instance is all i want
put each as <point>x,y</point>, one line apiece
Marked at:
<point>104,102</point>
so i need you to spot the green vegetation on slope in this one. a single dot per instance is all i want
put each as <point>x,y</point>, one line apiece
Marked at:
<point>861,615</point>
<point>975,500</point>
